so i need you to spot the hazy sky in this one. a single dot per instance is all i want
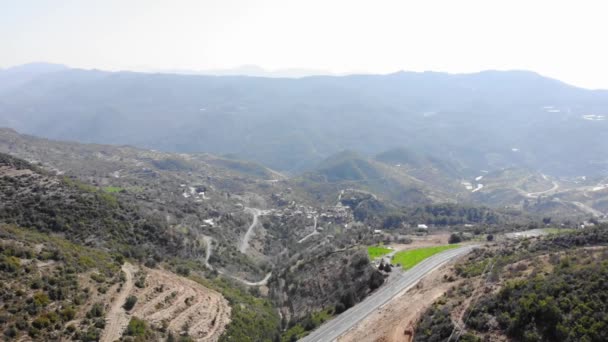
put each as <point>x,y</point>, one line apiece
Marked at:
<point>562,39</point>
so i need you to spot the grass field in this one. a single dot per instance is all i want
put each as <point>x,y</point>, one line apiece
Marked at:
<point>558,230</point>
<point>377,251</point>
<point>112,189</point>
<point>412,257</point>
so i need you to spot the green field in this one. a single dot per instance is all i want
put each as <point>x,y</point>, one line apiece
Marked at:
<point>558,230</point>
<point>112,189</point>
<point>377,251</point>
<point>410,258</point>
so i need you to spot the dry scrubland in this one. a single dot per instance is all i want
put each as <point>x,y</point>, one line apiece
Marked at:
<point>177,304</point>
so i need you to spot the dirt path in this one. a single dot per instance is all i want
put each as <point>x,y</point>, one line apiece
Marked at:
<point>314,231</point>
<point>262,282</point>
<point>208,250</point>
<point>588,209</point>
<point>117,318</point>
<point>536,194</point>
<point>245,242</point>
<point>208,253</point>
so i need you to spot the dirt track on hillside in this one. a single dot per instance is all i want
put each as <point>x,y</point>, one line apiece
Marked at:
<point>179,304</point>
<point>117,318</point>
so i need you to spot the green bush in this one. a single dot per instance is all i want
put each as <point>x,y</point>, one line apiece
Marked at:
<point>454,238</point>
<point>10,264</point>
<point>41,299</point>
<point>67,313</point>
<point>130,303</point>
<point>136,327</point>
<point>96,311</point>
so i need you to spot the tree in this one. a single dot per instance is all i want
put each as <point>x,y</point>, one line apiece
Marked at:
<point>130,303</point>
<point>349,299</point>
<point>375,280</point>
<point>454,238</point>
<point>96,311</point>
<point>490,237</point>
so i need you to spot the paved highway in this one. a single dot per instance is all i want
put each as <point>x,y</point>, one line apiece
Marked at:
<point>331,330</point>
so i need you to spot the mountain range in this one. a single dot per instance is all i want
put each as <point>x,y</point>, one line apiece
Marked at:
<point>489,120</point>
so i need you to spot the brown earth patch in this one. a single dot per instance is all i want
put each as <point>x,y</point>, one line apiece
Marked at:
<point>169,301</point>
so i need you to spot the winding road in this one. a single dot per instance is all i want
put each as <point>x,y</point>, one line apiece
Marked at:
<point>262,282</point>
<point>242,247</point>
<point>245,242</point>
<point>539,193</point>
<point>209,250</point>
<point>314,231</point>
<point>344,322</point>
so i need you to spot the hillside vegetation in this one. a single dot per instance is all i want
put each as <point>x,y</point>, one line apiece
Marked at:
<point>550,288</point>
<point>567,304</point>
<point>51,288</point>
<point>31,197</point>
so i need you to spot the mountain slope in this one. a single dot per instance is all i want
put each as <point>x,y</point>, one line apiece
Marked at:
<point>347,166</point>
<point>488,120</point>
<point>31,197</point>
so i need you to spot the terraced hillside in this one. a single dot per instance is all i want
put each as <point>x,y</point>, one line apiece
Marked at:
<point>167,302</point>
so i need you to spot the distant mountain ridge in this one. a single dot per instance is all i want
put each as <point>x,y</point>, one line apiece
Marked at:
<point>254,71</point>
<point>488,120</point>
<point>19,75</point>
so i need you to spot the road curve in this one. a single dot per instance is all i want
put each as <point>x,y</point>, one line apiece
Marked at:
<point>262,282</point>
<point>333,329</point>
<point>539,193</point>
<point>314,231</point>
<point>245,242</point>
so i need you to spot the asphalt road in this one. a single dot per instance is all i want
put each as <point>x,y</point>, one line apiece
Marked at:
<point>333,329</point>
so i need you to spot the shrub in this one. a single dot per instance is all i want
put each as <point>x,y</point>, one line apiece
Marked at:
<point>376,280</point>
<point>41,322</point>
<point>141,282</point>
<point>454,238</point>
<point>10,332</point>
<point>10,264</point>
<point>41,299</point>
<point>130,303</point>
<point>136,327</point>
<point>183,271</point>
<point>93,334</point>
<point>96,311</point>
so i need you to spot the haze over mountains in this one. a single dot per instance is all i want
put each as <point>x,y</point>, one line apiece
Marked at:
<point>483,121</point>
